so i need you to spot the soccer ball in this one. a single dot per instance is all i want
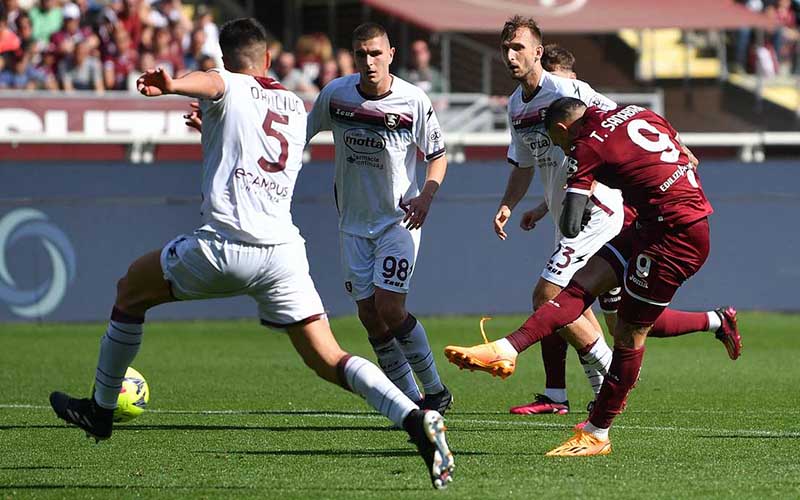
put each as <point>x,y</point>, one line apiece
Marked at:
<point>133,396</point>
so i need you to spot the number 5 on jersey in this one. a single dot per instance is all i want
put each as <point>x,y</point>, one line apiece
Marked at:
<point>280,165</point>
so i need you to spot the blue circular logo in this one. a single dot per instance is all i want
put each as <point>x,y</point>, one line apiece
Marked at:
<point>44,298</point>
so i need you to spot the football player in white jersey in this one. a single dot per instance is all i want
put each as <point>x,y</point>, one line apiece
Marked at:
<point>253,135</point>
<point>379,122</point>
<point>531,149</point>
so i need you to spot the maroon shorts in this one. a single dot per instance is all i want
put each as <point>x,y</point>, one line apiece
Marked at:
<point>652,262</point>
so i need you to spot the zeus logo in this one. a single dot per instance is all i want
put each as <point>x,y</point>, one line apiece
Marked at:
<point>45,297</point>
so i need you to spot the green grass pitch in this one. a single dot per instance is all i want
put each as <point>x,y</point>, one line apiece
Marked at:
<point>235,414</point>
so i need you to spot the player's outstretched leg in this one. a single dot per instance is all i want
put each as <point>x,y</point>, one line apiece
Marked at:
<point>672,323</point>
<point>413,341</point>
<point>320,351</point>
<point>140,289</point>
<point>499,357</point>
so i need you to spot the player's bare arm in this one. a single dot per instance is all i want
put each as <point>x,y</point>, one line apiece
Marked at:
<point>197,84</point>
<point>693,161</point>
<point>533,216</point>
<point>417,208</point>
<point>518,183</point>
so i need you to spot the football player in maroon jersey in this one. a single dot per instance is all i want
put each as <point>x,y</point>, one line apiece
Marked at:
<point>638,152</point>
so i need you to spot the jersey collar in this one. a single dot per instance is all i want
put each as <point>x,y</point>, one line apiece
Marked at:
<point>526,100</point>
<point>375,97</point>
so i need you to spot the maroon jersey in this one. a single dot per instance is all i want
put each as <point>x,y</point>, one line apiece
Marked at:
<point>637,151</point>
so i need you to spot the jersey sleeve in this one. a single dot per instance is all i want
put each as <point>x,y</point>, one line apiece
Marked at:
<point>519,153</point>
<point>582,162</point>
<point>320,116</point>
<point>594,98</point>
<point>226,80</point>
<point>427,132</point>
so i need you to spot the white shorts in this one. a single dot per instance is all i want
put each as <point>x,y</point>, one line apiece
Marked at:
<point>386,261</point>
<point>571,254</point>
<point>204,265</point>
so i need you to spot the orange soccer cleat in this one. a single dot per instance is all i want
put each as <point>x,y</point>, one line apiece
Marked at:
<point>487,357</point>
<point>582,444</point>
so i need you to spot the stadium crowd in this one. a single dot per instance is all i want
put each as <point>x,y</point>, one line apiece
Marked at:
<point>105,45</point>
<point>778,54</point>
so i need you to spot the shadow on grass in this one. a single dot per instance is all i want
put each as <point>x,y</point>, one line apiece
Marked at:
<point>389,452</point>
<point>114,487</point>
<point>756,436</point>
<point>193,427</point>
<point>37,467</point>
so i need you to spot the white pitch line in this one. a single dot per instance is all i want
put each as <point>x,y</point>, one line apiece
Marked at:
<point>456,420</point>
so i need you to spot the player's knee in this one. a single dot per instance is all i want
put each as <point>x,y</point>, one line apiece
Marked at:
<point>391,313</point>
<point>371,321</point>
<point>542,293</point>
<point>129,299</point>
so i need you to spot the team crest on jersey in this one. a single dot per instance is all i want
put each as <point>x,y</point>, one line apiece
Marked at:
<point>392,120</point>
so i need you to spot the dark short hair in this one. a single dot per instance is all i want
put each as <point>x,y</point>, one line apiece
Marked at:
<point>556,55</point>
<point>239,35</point>
<point>368,31</point>
<point>561,109</point>
<point>517,22</point>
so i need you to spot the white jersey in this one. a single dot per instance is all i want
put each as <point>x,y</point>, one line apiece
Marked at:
<point>531,146</point>
<point>253,139</point>
<point>376,142</point>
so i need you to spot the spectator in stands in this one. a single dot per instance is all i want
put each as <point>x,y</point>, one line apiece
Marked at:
<point>81,71</point>
<point>191,58</point>
<point>557,59</point>
<point>329,71</point>
<point>311,51</point>
<point>9,41</point>
<point>744,35</point>
<point>120,62</point>
<point>344,59</point>
<point>421,73</point>
<point>164,51</point>
<point>23,75</point>
<point>786,34</point>
<point>12,12</point>
<point>291,77</point>
<point>25,31</point>
<point>146,61</point>
<point>46,20</point>
<point>207,62</point>
<point>71,33</point>
<point>204,20</point>
<point>129,14</point>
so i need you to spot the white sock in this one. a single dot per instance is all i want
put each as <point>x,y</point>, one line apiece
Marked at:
<point>394,364</point>
<point>368,381</point>
<point>413,342</point>
<point>557,395</point>
<point>596,431</point>
<point>118,347</point>
<point>714,321</point>
<point>596,363</point>
<point>506,347</point>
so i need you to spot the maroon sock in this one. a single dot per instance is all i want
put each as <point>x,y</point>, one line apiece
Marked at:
<point>672,323</point>
<point>551,316</point>
<point>622,376</point>
<point>554,357</point>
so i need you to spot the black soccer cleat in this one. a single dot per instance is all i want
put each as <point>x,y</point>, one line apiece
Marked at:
<point>85,413</point>
<point>441,401</point>
<point>427,431</point>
